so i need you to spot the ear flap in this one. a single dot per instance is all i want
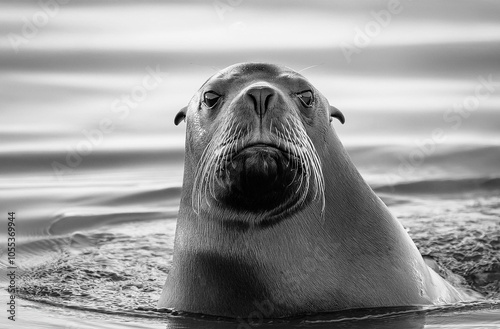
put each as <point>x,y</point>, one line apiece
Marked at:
<point>181,116</point>
<point>335,113</point>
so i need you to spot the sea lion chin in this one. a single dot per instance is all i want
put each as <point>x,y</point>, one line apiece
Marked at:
<point>259,178</point>
<point>273,211</point>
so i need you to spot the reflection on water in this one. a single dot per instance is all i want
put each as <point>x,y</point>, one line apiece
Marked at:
<point>92,164</point>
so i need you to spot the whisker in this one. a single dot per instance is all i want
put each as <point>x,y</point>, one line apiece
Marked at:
<point>290,133</point>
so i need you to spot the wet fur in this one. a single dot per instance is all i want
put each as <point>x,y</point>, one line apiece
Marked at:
<point>343,251</point>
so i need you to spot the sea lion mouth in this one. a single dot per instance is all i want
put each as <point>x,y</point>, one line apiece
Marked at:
<point>258,146</point>
<point>278,149</point>
<point>257,178</point>
<point>267,178</point>
<point>256,168</point>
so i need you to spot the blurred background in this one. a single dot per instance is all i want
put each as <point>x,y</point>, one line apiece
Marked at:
<point>89,90</point>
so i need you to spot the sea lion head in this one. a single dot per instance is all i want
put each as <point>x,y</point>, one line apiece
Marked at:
<point>253,134</point>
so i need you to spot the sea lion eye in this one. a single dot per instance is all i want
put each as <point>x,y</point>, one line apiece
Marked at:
<point>306,97</point>
<point>210,99</point>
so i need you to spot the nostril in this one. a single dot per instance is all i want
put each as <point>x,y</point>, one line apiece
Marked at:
<point>267,102</point>
<point>255,100</point>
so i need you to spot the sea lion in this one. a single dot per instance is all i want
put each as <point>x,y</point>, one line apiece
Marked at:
<point>274,217</point>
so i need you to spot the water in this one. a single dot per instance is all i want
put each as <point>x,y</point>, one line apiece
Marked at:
<point>92,164</point>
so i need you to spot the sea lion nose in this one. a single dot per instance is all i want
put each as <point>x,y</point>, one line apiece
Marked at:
<point>263,98</point>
